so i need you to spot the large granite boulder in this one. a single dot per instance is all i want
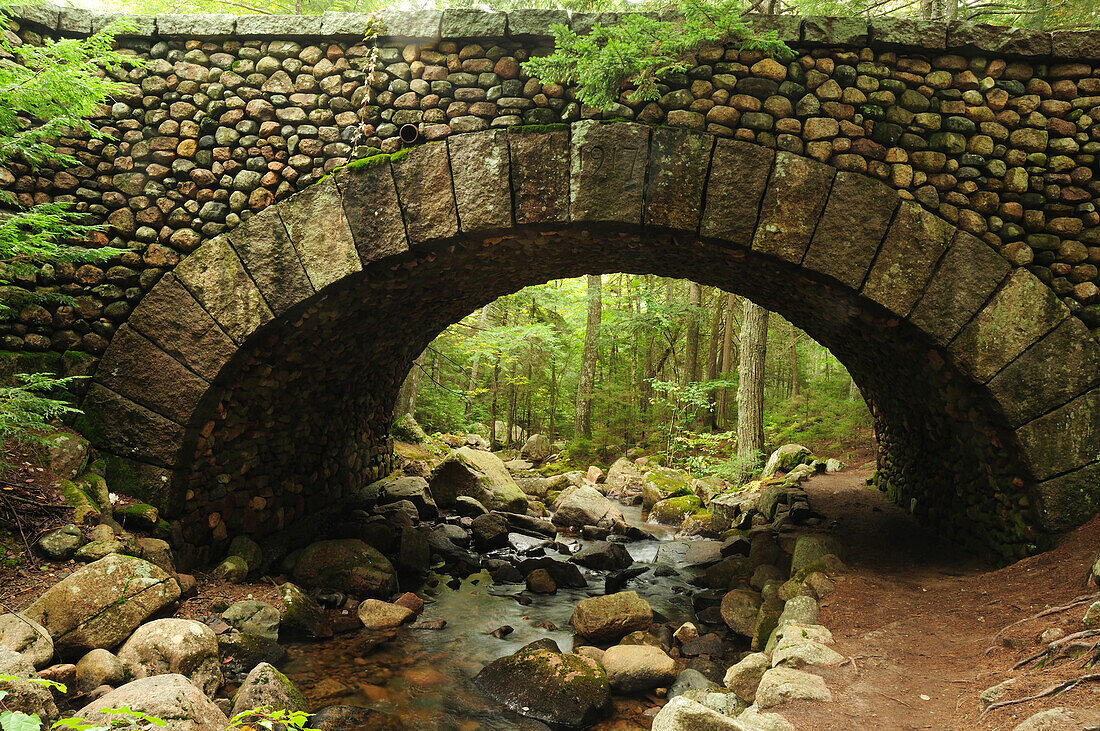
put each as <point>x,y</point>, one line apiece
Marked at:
<point>684,714</point>
<point>603,619</point>
<point>346,564</point>
<point>253,618</point>
<point>739,610</point>
<point>623,478</point>
<point>586,506</point>
<point>782,685</point>
<point>23,696</point>
<point>101,604</point>
<point>179,646</point>
<point>480,475</point>
<point>563,690</point>
<point>536,449</point>
<point>785,459</point>
<point>637,668</point>
<point>663,482</point>
<point>171,698</point>
<point>27,637</point>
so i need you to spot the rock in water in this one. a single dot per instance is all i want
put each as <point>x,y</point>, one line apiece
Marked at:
<point>27,637</point>
<point>603,556</point>
<point>181,646</point>
<point>347,565</point>
<point>378,615</point>
<point>102,603</point>
<point>265,686</point>
<point>564,690</point>
<point>683,714</point>
<point>636,668</point>
<point>663,482</point>
<point>354,718</point>
<point>301,615</point>
<point>608,618</point>
<point>171,698</point>
<point>480,475</point>
<point>586,506</point>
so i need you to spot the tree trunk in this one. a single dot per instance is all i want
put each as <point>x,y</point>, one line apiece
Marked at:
<point>712,361</point>
<point>853,389</point>
<point>794,360</point>
<point>406,397</point>
<point>750,389</point>
<point>482,324</point>
<point>691,344</point>
<point>553,400</point>
<point>583,423</point>
<point>727,353</point>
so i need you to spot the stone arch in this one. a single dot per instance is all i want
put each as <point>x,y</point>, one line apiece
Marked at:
<point>291,334</point>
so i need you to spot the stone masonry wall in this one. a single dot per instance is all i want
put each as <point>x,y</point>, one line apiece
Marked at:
<point>992,128</point>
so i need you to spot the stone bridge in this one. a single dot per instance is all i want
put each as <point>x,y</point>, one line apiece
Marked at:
<point>917,196</point>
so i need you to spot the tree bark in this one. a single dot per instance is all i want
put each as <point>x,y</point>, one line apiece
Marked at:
<point>482,324</point>
<point>750,389</point>
<point>794,360</point>
<point>583,422</point>
<point>712,360</point>
<point>727,353</point>
<point>406,397</point>
<point>691,344</point>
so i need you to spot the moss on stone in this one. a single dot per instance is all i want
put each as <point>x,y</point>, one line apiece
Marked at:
<point>12,363</point>
<point>537,129</point>
<point>672,510</point>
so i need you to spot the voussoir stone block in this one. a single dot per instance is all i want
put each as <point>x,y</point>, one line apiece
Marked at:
<point>1065,439</point>
<point>139,370</point>
<point>608,171</point>
<point>1067,501</point>
<point>1018,314</point>
<point>265,250</point>
<point>129,429</point>
<point>1062,365</point>
<point>540,175</point>
<point>319,230</point>
<point>372,209</point>
<point>170,317</point>
<point>427,217</point>
<point>841,250</point>
<point>793,202</point>
<point>213,273</point>
<point>969,272</point>
<point>738,177</point>
<point>480,168</point>
<point>679,160</point>
<point>44,15</point>
<point>915,242</point>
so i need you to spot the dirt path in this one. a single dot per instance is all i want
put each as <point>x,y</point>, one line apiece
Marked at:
<point>917,614</point>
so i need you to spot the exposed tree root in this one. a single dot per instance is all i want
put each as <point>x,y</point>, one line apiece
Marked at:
<point>1085,599</point>
<point>1052,690</point>
<point>1049,649</point>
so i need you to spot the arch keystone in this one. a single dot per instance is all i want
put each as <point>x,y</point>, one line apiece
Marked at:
<point>216,278</point>
<point>608,172</point>
<point>319,230</point>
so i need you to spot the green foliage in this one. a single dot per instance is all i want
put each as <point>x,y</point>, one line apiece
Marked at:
<point>642,49</point>
<point>267,718</point>
<point>26,410</point>
<point>685,402</point>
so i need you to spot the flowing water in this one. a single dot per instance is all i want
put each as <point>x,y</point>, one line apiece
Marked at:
<point>425,676</point>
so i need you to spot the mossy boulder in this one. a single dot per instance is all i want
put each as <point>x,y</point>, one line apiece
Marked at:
<point>662,483</point>
<point>86,511</point>
<point>406,429</point>
<point>739,610</point>
<point>564,690</point>
<point>786,458</point>
<point>673,510</point>
<point>604,619</point>
<point>301,615</point>
<point>61,544</point>
<point>480,475</point>
<point>347,565</point>
<point>66,454</point>
<point>171,698</point>
<point>810,548</point>
<point>266,686</point>
<point>102,603</point>
<point>138,516</point>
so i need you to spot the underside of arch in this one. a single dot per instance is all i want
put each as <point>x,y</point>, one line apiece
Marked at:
<point>255,382</point>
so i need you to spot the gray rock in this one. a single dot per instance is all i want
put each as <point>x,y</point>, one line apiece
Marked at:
<point>171,698</point>
<point>586,506</point>
<point>785,459</point>
<point>61,544</point>
<point>27,637</point>
<point>608,618</point>
<point>603,556</point>
<point>536,449</point>
<point>99,667</point>
<point>744,677</point>
<point>799,610</point>
<point>689,680</point>
<point>66,454</point>
<point>347,565</point>
<point>684,714</point>
<point>780,685</point>
<point>301,615</point>
<point>480,475</point>
<point>1056,719</point>
<point>181,646</point>
<point>266,686</point>
<point>240,653</point>
<point>253,618</point>
<point>413,489</point>
<point>29,698</point>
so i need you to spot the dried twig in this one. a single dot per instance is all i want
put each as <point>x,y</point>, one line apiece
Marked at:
<point>1052,690</point>
<point>19,524</point>
<point>1045,613</point>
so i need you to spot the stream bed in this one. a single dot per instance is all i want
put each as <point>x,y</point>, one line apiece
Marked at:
<point>425,677</point>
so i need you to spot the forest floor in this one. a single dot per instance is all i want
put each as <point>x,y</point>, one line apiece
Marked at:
<point>916,616</point>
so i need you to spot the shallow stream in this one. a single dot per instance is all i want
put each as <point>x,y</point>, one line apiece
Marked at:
<point>425,676</point>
